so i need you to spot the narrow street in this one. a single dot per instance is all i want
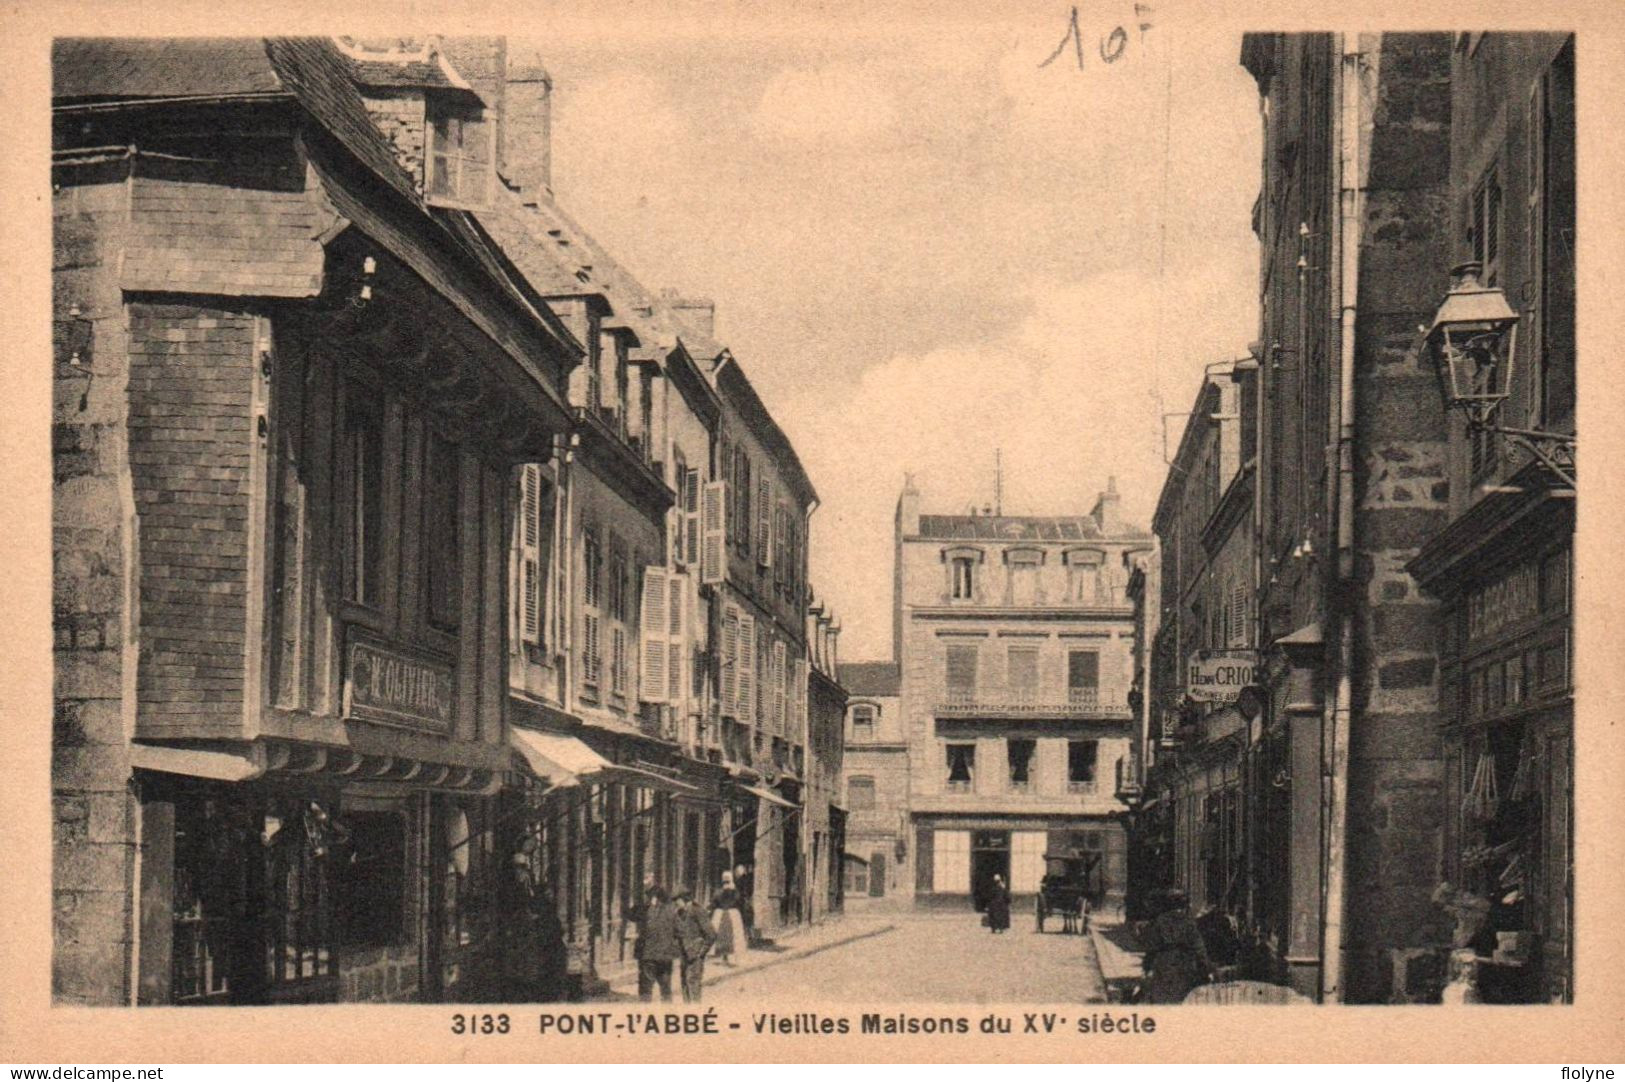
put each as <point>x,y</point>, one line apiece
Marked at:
<point>913,957</point>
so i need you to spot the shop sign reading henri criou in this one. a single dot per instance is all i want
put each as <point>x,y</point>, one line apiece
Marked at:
<point>1217,676</point>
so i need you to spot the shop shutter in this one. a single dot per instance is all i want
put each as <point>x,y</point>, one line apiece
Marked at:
<point>713,542</point>
<point>530,565</point>
<point>746,710</point>
<point>652,625</point>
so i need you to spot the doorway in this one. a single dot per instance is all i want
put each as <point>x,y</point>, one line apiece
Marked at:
<point>989,857</point>
<point>877,874</point>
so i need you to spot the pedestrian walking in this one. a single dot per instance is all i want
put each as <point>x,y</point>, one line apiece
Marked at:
<point>998,906</point>
<point>534,962</point>
<point>1176,958</point>
<point>657,947</point>
<point>694,938</point>
<point>726,922</point>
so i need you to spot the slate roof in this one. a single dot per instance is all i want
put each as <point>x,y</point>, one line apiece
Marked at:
<point>1018,528</point>
<point>116,69</point>
<point>208,238</point>
<point>310,70</point>
<point>880,678</point>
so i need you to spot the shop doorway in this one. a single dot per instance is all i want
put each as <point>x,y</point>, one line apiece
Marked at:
<point>989,857</point>
<point>877,874</point>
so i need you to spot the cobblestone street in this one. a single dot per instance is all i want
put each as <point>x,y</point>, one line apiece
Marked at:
<point>923,958</point>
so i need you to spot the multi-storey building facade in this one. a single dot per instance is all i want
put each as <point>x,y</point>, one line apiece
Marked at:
<point>875,780</point>
<point>1502,566</point>
<point>292,384</point>
<point>824,835</point>
<point>1202,651</point>
<point>1016,664</point>
<point>423,500</point>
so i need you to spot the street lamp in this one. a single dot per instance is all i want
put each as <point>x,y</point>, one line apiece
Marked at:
<point>1473,346</point>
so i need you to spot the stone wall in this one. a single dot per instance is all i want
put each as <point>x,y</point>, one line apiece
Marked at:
<point>93,524</point>
<point>1401,494</point>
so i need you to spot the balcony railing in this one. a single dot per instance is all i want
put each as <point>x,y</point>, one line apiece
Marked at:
<point>1028,702</point>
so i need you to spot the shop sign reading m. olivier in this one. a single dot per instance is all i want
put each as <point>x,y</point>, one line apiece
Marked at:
<point>1218,677</point>
<point>390,687</point>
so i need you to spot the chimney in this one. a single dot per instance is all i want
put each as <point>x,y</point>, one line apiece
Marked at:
<point>697,312</point>
<point>908,508</point>
<point>528,159</point>
<point>1106,514</point>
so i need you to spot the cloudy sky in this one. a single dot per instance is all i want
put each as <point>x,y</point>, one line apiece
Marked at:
<point>923,245</point>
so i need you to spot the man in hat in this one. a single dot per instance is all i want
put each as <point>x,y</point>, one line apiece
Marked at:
<point>694,937</point>
<point>657,946</point>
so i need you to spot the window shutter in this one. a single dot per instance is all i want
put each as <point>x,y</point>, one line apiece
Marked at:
<point>589,647</point>
<point>778,686</point>
<point>729,677</point>
<point>678,630</point>
<point>1238,614</point>
<point>764,522</point>
<point>530,567</point>
<point>652,629</point>
<point>617,659</point>
<point>747,668</point>
<point>691,516</point>
<point>713,543</point>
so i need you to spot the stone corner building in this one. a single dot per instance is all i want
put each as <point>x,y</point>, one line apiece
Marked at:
<point>1409,600</point>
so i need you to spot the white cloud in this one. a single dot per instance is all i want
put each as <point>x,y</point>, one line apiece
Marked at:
<point>839,103</point>
<point>1069,396</point>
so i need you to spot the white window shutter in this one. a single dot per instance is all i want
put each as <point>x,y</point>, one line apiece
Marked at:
<point>713,543</point>
<point>747,668</point>
<point>530,568</point>
<point>729,691</point>
<point>652,624</point>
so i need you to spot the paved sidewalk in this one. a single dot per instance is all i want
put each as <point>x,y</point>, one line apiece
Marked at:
<point>789,944</point>
<point>1121,960</point>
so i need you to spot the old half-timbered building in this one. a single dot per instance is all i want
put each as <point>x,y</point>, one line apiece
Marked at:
<point>293,385</point>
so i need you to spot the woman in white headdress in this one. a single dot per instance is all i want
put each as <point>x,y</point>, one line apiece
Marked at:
<point>725,919</point>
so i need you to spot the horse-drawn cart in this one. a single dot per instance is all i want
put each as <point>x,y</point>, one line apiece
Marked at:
<point>1070,886</point>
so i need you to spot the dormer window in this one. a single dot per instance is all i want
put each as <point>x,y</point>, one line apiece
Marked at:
<point>1024,565</point>
<point>963,566</point>
<point>459,156</point>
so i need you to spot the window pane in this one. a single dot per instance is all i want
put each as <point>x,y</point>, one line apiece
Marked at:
<point>1083,669</point>
<point>962,668</point>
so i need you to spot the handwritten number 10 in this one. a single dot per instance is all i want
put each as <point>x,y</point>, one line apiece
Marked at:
<point>1112,45</point>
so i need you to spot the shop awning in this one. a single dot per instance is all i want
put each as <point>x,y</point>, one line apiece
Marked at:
<point>649,779</point>
<point>194,763</point>
<point>561,760</point>
<point>768,795</point>
<point>565,761</point>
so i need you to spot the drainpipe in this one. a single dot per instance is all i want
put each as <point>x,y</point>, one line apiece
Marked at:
<point>1350,216</point>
